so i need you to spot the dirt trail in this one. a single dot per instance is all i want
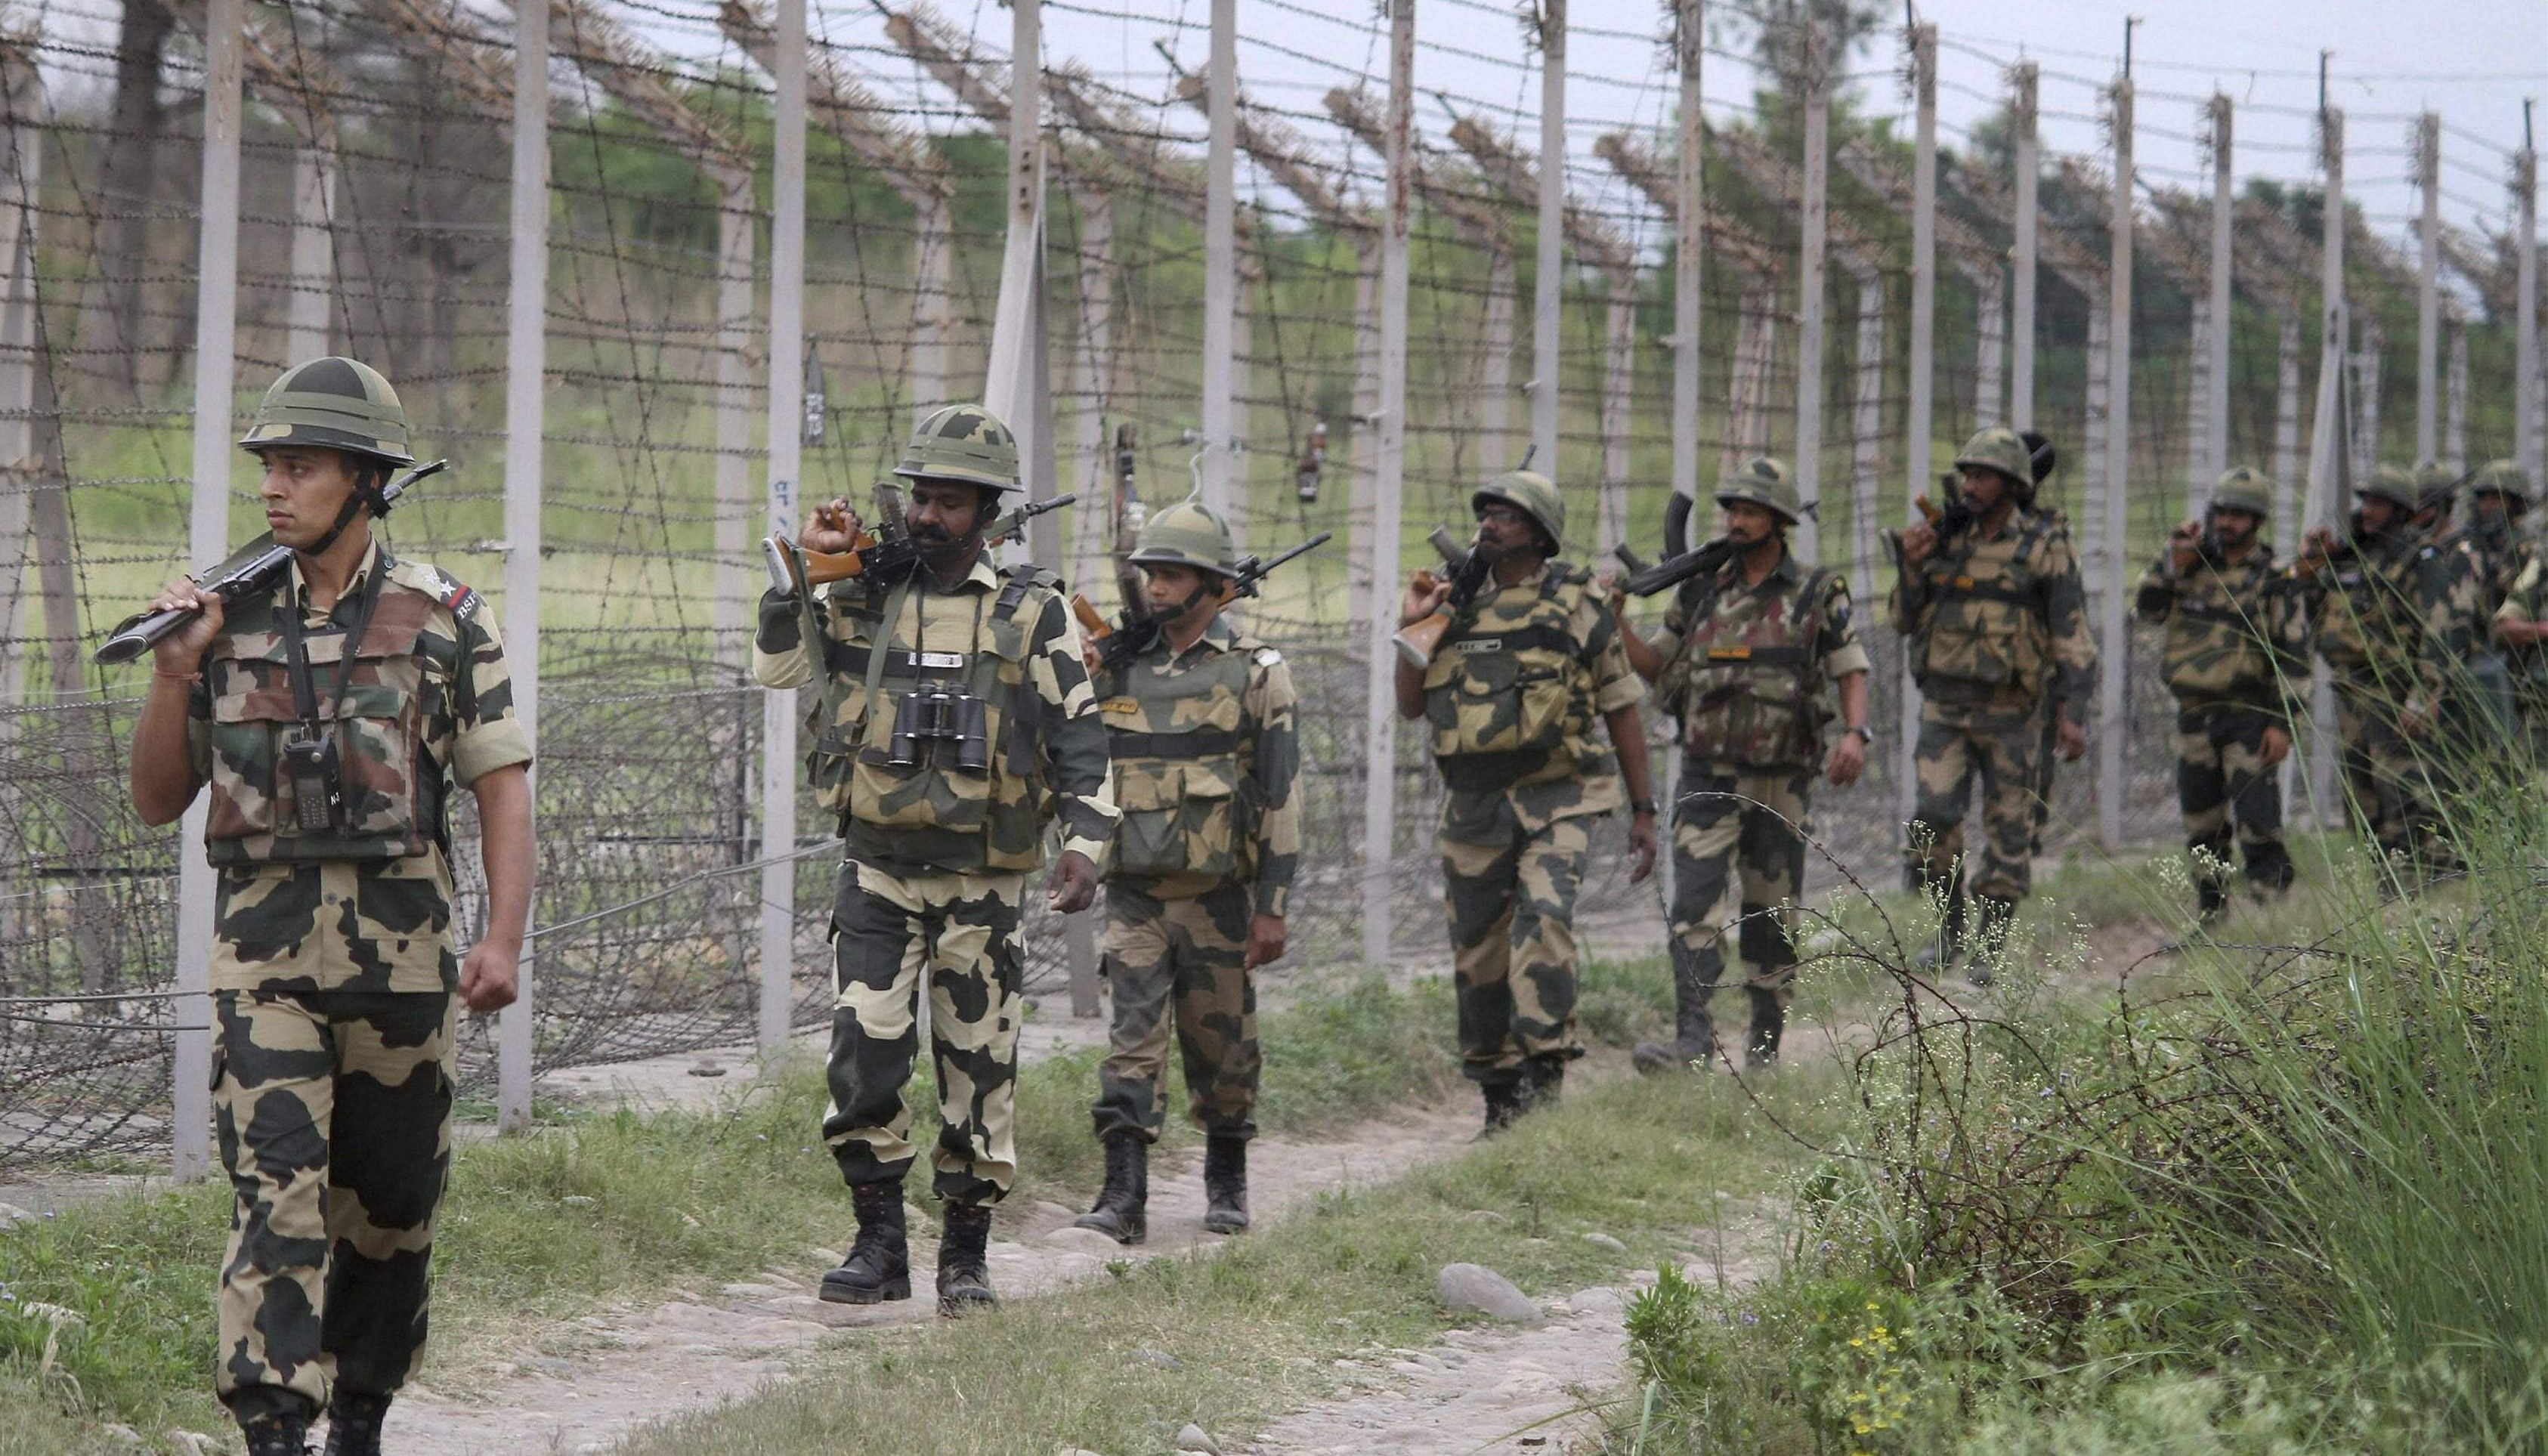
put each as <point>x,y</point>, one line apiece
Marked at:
<point>607,1375</point>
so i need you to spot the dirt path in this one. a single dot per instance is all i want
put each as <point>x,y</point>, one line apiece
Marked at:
<point>602,1377</point>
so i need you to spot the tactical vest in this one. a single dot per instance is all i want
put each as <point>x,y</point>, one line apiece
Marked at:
<point>1506,695</point>
<point>2372,604</point>
<point>2218,629</point>
<point>1755,701</point>
<point>1986,631</point>
<point>1181,781</point>
<point>390,786</point>
<point>990,818</point>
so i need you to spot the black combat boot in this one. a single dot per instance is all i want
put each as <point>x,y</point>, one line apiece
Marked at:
<point>1769,1023</point>
<point>2270,871</point>
<point>1694,1043</point>
<point>964,1261</point>
<point>1504,1105</point>
<point>1225,1184</point>
<point>277,1436</point>
<point>2211,897</point>
<point>1990,935</point>
<point>354,1421</point>
<point>1543,1081</point>
<point>878,1267</point>
<point>1121,1211</point>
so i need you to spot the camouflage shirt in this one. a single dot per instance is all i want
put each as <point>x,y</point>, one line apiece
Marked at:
<point>1472,690</point>
<point>1011,642</point>
<point>2374,605</point>
<point>2236,639</point>
<point>1998,622</point>
<point>1168,781</point>
<point>431,705</point>
<point>2525,599</point>
<point>2461,611</point>
<point>1746,663</point>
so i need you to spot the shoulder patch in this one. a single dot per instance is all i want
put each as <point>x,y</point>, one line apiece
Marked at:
<point>1267,656</point>
<point>451,594</point>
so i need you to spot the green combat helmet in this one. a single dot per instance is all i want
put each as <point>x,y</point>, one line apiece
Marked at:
<point>1531,492</point>
<point>2394,483</point>
<point>1763,481</point>
<point>2242,489</point>
<point>961,443</point>
<point>2503,477</point>
<point>1998,448</point>
<point>1187,534</point>
<point>336,403</point>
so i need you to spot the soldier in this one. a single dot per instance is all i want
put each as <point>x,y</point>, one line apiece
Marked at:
<point>1998,635</point>
<point>2236,663</point>
<point>2369,595</point>
<point>1204,756</point>
<point>2522,617</point>
<point>2495,548</point>
<point>332,721</point>
<point>1748,648</point>
<point>954,721</point>
<point>2498,502</point>
<point>1510,699</point>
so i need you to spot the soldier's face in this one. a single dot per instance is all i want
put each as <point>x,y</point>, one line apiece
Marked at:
<point>943,515</point>
<point>1984,488</point>
<point>1168,587</point>
<point>2488,507</point>
<point>303,489</point>
<point>2379,513</point>
<point>1749,524</point>
<point>2235,529</point>
<point>1506,532</point>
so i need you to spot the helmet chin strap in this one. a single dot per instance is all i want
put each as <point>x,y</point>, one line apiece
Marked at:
<point>366,491</point>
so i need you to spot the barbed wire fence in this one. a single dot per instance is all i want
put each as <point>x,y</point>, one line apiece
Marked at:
<point>655,276</point>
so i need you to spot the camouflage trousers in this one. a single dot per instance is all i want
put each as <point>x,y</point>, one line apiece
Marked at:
<point>1512,900</point>
<point>2002,751</point>
<point>1739,866</point>
<point>1186,959</point>
<point>958,935</point>
<point>2222,780</point>
<point>2382,783</point>
<point>334,1110</point>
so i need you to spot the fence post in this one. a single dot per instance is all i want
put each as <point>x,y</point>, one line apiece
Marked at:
<point>2021,370</point>
<point>19,337</point>
<point>1380,722</point>
<point>1547,365</point>
<point>208,540</point>
<point>786,404</point>
<point>1918,418</point>
<point>525,371</point>
<point>2428,285</point>
<point>731,612</point>
<point>312,285</point>
<point>1222,471</point>
<point>1815,223</point>
<point>2225,203</point>
<point>2527,396</point>
<point>1690,248</point>
<point>2110,687</point>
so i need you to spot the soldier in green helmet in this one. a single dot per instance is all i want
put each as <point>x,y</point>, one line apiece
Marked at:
<point>954,722</point>
<point>1200,724</point>
<point>1509,701</point>
<point>332,721</point>
<point>2236,658</point>
<point>1996,623</point>
<point>1746,654</point>
<point>2520,623</point>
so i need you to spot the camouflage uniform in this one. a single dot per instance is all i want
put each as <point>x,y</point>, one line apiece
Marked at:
<point>2237,661</point>
<point>2524,599</point>
<point>1998,636</point>
<point>1744,673</point>
<point>1511,705</point>
<point>332,971</point>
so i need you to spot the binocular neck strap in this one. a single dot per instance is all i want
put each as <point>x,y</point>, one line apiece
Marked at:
<point>882,646</point>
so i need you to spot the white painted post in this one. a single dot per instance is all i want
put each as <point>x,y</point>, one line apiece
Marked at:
<point>314,250</point>
<point>1547,359</point>
<point>2327,445</point>
<point>2224,204</point>
<point>2526,400</point>
<point>1380,721</point>
<point>19,234</point>
<point>2428,285</point>
<point>2115,717</point>
<point>526,376</point>
<point>1690,245</point>
<point>1867,422</point>
<point>1618,398</point>
<point>2197,404</point>
<point>2287,431</point>
<point>2455,402</point>
<point>730,612</point>
<point>2022,120</point>
<point>1815,224</point>
<point>1014,338</point>
<point>208,541</point>
<point>1222,472</point>
<point>1092,377</point>
<point>787,460</point>
<point>1920,415</point>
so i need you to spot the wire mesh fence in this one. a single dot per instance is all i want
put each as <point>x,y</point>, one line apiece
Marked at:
<point>376,162</point>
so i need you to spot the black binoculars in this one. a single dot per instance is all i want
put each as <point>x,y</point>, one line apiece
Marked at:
<point>935,714</point>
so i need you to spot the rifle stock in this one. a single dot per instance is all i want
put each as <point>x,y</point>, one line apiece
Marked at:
<point>793,567</point>
<point>1418,643</point>
<point>1092,623</point>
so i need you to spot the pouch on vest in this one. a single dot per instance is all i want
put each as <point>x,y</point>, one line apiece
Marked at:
<point>1758,715</point>
<point>1184,812</point>
<point>377,730</point>
<point>1491,703</point>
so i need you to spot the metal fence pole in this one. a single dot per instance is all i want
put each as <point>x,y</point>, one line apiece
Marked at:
<point>786,458</point>
<point>2429,287</point>
<point>1815,227</point>
<point>1220,472</point>
<point>1546,358</point>
<point>1919,418</point>
<point>2329,445</point>
<point>2225,203</point>
<point>526,375</point>
<point>730,612</point>
<point>1380,721</point>
<point>2117,717</point>
<point>208,540</point>
<point>19,234</point>
<point>314,246</point>
<point>2021,371</point>
<point>1690,248</point>
<point>2528,403</point>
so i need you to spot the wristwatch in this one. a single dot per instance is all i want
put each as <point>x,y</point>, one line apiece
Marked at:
<point>1642,807</point>
<point>1866,735</point>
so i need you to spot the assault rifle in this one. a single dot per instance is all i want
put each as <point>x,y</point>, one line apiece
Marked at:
<point>256,566</point>
<point>884,553</point>
<point>1645,579</point>
<point>1117,646</point>
<point>1467,573</point>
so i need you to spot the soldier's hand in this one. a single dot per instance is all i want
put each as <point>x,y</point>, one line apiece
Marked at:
<point>491,976</point>
<point>2318,546</point>
<point>1265,941</point>
<point>1421,603</point>
<point>1089,654</point>
<point>1074,883</point>
<point>2277,747</point>
<point>2182,546</point>
<point>1641,842</point>
<point>1847,759</point>
<point>182,651</point>
<point>832,529</point>
<point>1918,540</point>
<point>2070,740</point>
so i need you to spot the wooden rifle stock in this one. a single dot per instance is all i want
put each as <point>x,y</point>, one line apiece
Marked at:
<point>1092,623</point>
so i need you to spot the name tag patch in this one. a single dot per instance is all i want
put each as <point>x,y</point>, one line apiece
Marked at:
<point>1119,705</point>
<point>1472,645</point>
